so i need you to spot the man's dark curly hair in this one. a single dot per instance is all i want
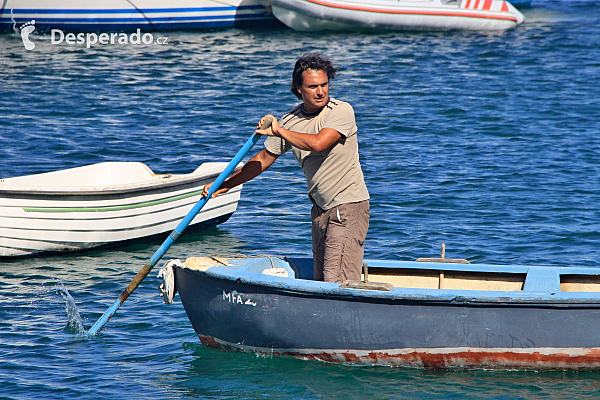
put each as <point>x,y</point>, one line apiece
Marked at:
<point>310,61</point>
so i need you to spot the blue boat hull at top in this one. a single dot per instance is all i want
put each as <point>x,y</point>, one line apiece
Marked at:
<point>509,317</point>
<point>521,3</point>
<point>128,16</point>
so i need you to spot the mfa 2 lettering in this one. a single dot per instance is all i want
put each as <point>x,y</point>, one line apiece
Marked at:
<point>238,298</point>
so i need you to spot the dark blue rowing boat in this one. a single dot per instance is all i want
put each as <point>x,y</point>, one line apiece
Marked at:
<point>435,315</point>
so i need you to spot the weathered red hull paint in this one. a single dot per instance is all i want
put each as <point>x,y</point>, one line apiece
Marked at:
<point>439,358</point>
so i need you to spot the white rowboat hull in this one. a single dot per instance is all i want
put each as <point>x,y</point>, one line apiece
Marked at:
<point>48,219</point>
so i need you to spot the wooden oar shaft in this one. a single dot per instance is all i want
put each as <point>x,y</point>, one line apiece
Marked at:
<point>135,282</point>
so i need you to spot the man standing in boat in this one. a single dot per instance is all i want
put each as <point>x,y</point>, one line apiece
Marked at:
<point>322,134</point>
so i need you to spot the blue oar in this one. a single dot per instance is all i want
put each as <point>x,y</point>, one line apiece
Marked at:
<point>177,231</point>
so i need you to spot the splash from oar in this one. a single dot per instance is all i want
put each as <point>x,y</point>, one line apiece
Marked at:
<point>74,323</point>
<point>135,282</point>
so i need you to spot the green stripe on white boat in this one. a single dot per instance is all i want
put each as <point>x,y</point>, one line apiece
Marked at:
<point>112,208</point>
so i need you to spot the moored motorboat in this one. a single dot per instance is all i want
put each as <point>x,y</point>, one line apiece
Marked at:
<point>125,15</point>
<point>103,205</point>
<point>436,315</point>
<point>315,15</point>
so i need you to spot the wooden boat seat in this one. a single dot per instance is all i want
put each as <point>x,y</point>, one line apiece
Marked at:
<point>456,280</point>
<point>579,283</point>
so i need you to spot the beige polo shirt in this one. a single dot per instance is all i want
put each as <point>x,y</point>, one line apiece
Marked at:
<point>333,176</point>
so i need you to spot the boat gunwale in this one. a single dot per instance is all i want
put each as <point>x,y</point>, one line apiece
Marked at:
<point>151,185</point>
<point>457,297</point>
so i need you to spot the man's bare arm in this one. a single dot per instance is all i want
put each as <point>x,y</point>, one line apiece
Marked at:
<point>254,167</point>
<point>322,141</point>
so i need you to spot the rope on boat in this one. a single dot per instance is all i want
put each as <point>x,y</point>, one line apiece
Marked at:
<point>167,287</point>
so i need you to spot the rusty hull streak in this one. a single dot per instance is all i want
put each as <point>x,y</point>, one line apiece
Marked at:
<point>538,359</point>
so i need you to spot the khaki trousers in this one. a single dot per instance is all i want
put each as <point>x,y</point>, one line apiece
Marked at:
<point>338,237</point>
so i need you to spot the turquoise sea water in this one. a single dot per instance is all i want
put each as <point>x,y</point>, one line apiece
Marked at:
<point>485,141</point>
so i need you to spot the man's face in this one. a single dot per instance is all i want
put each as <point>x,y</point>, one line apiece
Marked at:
<point>314,89</point>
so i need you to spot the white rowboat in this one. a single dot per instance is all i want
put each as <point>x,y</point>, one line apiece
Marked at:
<point>317,15</point>
<point>102,205</point>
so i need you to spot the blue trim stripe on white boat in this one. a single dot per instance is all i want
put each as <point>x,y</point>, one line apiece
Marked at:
<point>129,11</point>
<point>141,19</point>
<point>152,18</point>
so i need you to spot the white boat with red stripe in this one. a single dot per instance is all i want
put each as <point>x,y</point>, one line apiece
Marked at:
<point>316,15</point>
